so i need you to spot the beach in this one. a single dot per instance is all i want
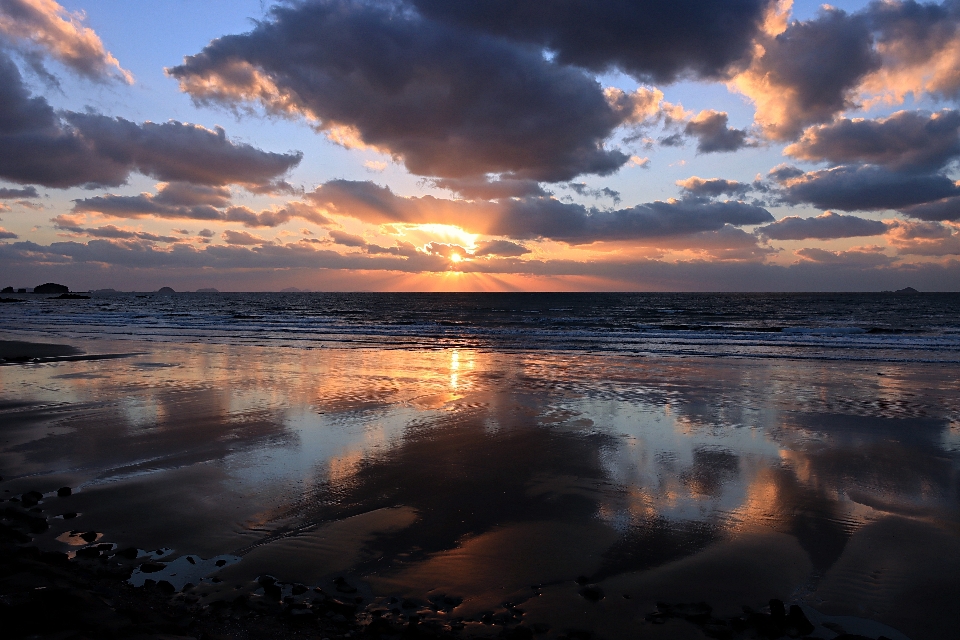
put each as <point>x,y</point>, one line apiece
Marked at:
<point>488,491</point>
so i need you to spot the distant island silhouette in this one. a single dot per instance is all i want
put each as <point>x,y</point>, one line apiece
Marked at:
<point>51,287</point>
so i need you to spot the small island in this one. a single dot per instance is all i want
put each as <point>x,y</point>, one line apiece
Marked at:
<point>165,291</point>
<point>51,287</point>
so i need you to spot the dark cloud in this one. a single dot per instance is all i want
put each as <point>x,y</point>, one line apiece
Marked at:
<point>242,238</point>
<point>581,188</point>
<point>503,248</point>
<point>904,141</point>
<point>486,189</point>
<point>713,187</point>
<point>713,134</point>
<point>808,73</point>
<point>925,238</point>
<point>861,257</point>
<point>205,233</point>
<point>576,224</point>
<point>673,140</point>
<point>532,218</point>
<point>184,194</point>
<point>346,239</point>
<point>206,202</point>
<point>109,231</point>
<point>915,39</point>
<point>445,101</point>
<point>943,209</point>
<point>11,194</point>
<point>824,227</point>
<point>657,40</point>
<point>7,235</point>
<point>41,146</point>
<point>865,188</point>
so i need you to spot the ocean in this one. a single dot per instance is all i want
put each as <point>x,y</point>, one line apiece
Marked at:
<point>846,326</point>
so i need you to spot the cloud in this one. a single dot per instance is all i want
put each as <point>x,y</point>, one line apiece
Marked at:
<point>7,235</point>
<point>503,248</point>
<point>713,187</point>
<point>486,189</point>
<point>60,34</point>
<point>445,101</point>
<point>826,226</point>
<point>864,188</point>
<point>346,239</point>
<point>943,209</point>
<point>11,194</point>
<point>534,218</point>
<point>205,233</point>
<point>713,135</point>
<point>924,238</point>
<point>67,223</point>
<point>242,238</point>
<point>376,166</point>
<point>581,188</point>
<point>809,72</point>
<point>904,141</point>
<point>859,256</point>
<point>185,194</point>
<point>40,146</point>
<point>659,40</point>
<point>180,201</point>
<point>919,45</point>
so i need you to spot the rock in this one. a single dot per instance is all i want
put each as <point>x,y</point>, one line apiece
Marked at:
<point>777,610</point>
<point>89,536</point>
<point>6,290</point>
<point>165,291</point>
<point>63,492</point>
<point>130,553</point>
<point>592,593</point>
<point>797,622</point>
<point>31,499</point>
<point>51,287</point>
<point>70,515</point>
<point>152,567</point>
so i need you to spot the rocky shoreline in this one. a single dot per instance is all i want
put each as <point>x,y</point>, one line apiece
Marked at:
<point>89,594</point>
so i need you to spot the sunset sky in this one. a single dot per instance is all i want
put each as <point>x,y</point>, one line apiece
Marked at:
<point>478,145</point>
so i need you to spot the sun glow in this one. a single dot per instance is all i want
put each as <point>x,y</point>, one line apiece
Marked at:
<point>448,233</point>
<point>455,257</point>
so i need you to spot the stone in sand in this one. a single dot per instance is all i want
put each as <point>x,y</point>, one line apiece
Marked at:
<point>63,492</point>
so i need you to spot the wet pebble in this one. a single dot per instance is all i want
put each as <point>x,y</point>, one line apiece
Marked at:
<point>31,498</point>
<point>592,593</point>
<point>64,492</point>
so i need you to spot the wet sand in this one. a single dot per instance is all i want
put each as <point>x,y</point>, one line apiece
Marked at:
<point>481,494</point>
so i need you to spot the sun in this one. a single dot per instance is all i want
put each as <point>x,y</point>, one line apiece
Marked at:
<point>456,257</point>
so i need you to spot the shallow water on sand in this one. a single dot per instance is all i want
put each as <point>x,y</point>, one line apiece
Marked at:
<point>498,477</point>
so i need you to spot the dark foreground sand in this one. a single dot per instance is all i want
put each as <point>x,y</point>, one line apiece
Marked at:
<point>269,492</point>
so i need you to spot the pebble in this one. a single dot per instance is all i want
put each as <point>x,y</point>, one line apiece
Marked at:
<point>64,492</point>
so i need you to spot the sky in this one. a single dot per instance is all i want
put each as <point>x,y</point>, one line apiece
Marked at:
<point>480,145</point>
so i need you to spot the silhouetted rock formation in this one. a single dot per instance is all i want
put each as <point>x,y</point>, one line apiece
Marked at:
<point>166,291</point>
